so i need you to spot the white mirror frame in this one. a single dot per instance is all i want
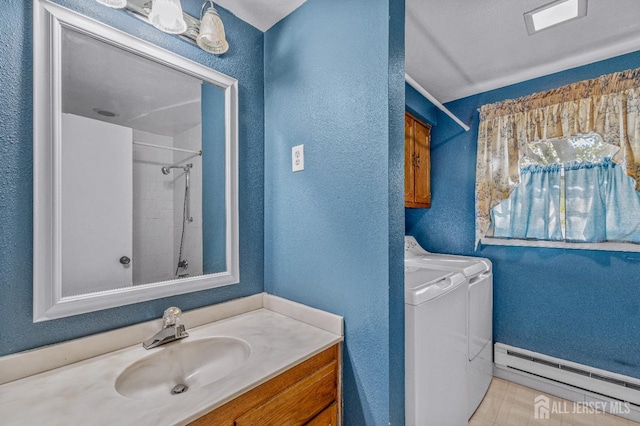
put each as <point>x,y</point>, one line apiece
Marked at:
<point>48,303</point>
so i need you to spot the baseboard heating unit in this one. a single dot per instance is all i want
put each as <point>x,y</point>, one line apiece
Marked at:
<point>589,379</point>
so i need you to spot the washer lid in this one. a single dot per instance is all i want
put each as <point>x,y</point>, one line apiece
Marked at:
<point>424,284</point>
<point>469,266</point>
<point>415,255</point>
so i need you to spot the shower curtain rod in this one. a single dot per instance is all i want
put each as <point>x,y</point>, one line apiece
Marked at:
<point>434,101</point>
<point>168,147</point>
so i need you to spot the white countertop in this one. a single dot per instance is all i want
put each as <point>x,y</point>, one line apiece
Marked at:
<point>84,392</point>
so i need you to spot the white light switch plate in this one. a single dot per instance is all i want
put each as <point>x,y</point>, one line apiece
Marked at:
<point>297,158</point>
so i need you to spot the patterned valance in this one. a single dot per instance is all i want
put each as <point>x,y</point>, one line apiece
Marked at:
<point>603,85</point>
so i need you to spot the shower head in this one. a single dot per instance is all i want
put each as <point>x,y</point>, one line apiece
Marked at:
<point>166,170</point>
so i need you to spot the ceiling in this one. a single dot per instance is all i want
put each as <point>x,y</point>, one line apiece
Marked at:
<point>457,48</point>
<point>262,14</point>
<point>98,77</point>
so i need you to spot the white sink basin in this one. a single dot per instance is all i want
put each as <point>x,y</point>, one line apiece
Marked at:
<point>194,364</point>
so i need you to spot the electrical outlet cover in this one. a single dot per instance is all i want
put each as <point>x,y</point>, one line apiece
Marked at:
<point>297,158</point>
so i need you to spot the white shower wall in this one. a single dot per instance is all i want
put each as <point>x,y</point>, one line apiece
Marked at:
<point>158,201</point>
<point>96,205</point>
<point>192,249</point>
<point>153,210</point>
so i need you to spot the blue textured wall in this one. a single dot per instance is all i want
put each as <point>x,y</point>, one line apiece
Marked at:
<point>420,106</point>
<point>244,61</point>
<point>579,305</point>
<point>332,238</point>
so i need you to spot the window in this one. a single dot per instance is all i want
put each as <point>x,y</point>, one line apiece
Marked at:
<point>570,191</point>
<point>531,126</point>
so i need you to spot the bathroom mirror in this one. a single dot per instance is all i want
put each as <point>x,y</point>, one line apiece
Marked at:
<point>135,169</point>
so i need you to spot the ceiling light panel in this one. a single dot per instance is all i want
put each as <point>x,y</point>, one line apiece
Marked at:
<point>555,13</point>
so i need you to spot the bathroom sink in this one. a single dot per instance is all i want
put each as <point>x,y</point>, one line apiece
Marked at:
<point>180,366</point>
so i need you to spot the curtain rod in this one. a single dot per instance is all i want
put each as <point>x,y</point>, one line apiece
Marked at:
<point>168,147</point>
<point>433,100</point>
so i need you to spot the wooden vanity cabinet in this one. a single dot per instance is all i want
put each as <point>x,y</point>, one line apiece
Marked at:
<point>307,394</point>
<point>417,162</point>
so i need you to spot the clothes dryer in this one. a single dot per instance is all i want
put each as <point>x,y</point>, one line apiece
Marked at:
<point>435,347</point>
<point>479,275</point>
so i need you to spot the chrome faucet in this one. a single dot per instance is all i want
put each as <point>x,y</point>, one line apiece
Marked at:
<point>172,329</point>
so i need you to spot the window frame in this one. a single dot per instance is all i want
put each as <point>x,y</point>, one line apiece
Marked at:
<point>603,246</point>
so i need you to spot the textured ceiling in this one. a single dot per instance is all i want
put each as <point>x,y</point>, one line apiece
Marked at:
<point>262,14</point>
<point>457,48</point>
<point>154,98</point>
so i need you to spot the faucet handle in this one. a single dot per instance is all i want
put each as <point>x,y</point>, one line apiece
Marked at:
<point>171,316</point>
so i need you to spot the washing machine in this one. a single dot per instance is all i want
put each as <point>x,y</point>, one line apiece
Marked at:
<point>435,347</point>
<point>479,275</point>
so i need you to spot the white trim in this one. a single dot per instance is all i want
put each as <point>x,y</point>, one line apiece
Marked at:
<point>625,247</point>
<point>434,101</point>
<point>48,303</point>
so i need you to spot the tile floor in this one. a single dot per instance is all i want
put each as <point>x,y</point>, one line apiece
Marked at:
<point>509,404</point>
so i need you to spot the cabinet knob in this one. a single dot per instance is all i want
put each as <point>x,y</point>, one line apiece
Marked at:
<point>125,260</point>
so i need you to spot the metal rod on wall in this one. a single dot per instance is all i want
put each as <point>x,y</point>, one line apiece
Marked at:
<point>434,101</point>
<point>168,147</point>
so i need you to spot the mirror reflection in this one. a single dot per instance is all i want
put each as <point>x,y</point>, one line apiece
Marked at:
<point>143,162</point>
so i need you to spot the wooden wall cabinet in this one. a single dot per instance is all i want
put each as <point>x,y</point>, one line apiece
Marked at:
<point>307,394</point>
<point>417,162</point>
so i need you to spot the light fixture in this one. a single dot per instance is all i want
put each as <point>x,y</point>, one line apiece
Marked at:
<point>116,4</point>
<point>555,13</point>
<point>211,37</point>
<point>166,15</point>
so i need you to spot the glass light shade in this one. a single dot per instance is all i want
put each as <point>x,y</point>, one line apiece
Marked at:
<point>211,37</point>
<point>166,15</point>
<point>116,4</point>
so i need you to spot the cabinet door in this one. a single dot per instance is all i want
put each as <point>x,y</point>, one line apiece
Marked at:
<point>298,404</point>
<point>409,175</point>
<point>422,179</point>
<point>289,399</point>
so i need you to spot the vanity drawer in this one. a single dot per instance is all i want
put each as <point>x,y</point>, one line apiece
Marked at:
<point>297,404</point>
<point>295,397</point>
